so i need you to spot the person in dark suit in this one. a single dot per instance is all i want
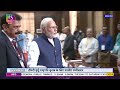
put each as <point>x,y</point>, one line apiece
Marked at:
<point>69,45</point>
<point>10,56</point>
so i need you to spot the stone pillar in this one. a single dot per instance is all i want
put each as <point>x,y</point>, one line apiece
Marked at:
<point>89,19</point>
<point>111,24</point>
<point>27,22</point>
<point>98,17</point>
<point>63,22</point>
<point>73,20</point>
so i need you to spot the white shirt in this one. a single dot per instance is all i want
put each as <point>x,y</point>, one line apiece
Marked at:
<point>61,37</point>
<point>34,52</point>
<point>88,46</point>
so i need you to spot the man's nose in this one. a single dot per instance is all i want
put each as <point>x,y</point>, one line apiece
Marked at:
<point>17,30</point>
<point>55,29</point>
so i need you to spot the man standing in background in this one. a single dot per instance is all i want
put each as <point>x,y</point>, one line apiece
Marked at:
<point>88,48</point>
<point>105,46</point>
<point>68,48</point>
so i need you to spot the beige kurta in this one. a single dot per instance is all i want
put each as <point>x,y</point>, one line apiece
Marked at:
<point>88,46</point>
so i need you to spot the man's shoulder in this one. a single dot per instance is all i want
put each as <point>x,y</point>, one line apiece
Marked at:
<point>1,32</point>
<point>2,39</point>
<point>84,38</point>
<point>1,35</point>
<point>109,35</point>
<point>71,36</point>
<point>95,39</point>
<point>100,35</point>
<point>38,39</point>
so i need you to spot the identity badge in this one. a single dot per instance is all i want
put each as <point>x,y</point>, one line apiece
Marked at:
<point>102,47</point>
<point>21,62</point>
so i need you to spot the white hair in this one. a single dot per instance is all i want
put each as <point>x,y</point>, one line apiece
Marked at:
<point>44,22</point>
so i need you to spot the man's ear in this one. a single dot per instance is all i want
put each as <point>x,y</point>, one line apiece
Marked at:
<point>4,26</point>
<point>43,30</point>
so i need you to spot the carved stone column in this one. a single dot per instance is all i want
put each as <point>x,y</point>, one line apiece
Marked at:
<point>73,20</point>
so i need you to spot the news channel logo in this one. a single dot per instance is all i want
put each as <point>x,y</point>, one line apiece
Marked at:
<point>10,18</point>
<point>108,15</point>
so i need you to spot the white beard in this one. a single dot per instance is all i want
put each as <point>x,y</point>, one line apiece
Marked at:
<point>55,35</point>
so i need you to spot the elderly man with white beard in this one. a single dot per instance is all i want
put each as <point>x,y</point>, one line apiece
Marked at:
<point>46,50</point>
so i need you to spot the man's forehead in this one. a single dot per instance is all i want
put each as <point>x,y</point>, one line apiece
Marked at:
<point>89,29</point>
<point>52,24</point>
<point>104,28</point>
<point>16,23</point>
